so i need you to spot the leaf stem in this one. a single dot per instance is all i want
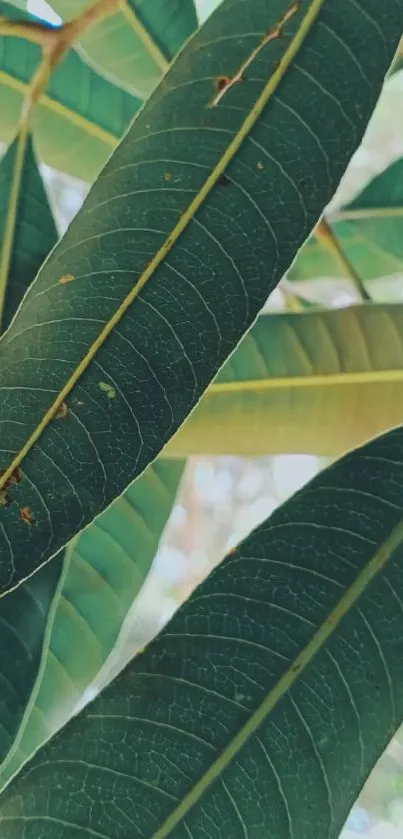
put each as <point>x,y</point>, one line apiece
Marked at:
<point>325,235</point>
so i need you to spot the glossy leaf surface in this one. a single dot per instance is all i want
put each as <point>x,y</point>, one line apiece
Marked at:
<point>319,382</point>
<point>135,46</point>
<point>103,572</point>
<point>74,129</point>
<point>369,232</point>
<point>288,656</point>
<point>169,262</point>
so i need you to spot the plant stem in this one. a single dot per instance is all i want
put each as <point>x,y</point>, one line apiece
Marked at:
<point>326,236</point>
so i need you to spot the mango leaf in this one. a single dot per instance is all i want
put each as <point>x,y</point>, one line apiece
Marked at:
<point>317,382</point>
<point>134,46</point>
<point>170,259</point>
<point>74,130</point>
<point>369,232</point>
<point>55,637</point>
<point>27,233</point>
<point>103,571</point>
<point>27,227</point>
<point>288,656</point>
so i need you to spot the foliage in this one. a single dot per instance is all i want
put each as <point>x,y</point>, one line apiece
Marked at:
<point>138,340</point>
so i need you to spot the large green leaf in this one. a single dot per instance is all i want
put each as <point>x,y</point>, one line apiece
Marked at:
<point>27,227</point>
<point>369,232</point>
<point>81,116</point>
<point>27,233</point>
<point>136,44</point>
<point>103,571</point>
<point>262,707</point>
<point>319,382</point>
<point>194,220</point>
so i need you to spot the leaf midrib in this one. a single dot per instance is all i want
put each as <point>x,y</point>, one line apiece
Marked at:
<point>250,120</point>
<point>297,667</point>
<point>355,377</point>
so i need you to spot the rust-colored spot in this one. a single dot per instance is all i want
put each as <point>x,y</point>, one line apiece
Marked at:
<point>66,278</point>
<point>26,515</point>
<point>323,231</point>
<point>62,411</point>
<point>221,82</point>
<point>167,176</point>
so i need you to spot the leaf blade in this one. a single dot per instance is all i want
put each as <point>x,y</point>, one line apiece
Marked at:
<point>294,606</point>
<point>27,227</point>
<point>141,407</point>
<point>74,132</point>
<point>368,232</point>
<point>100,574</point>
<point>316,382</point>
<point>136,44</point>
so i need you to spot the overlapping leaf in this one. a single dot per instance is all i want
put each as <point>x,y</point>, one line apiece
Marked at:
<point>170,259</point>
<point>135,45</point>
<point>319,382</point>
<point>59,628</point>
<point>81,116</point>
<point>27,228</point>
<point>369,232</point>
<point>285,664</point>
<point>103,571</point>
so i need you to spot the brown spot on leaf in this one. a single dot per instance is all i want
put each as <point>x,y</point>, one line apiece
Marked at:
<point>221,82</point>
<point>62,411</point>
<point>167,176</point>
<point>26,515</point>
<point>67,278</point>
<point>223,180</point>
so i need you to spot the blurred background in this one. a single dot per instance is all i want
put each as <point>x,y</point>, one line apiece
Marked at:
<point>222,498</point>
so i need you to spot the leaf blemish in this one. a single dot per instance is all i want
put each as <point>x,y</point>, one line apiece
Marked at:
<point>106,388</point>
<point>167,176</point>
<point>67,278</point>
<point>62,411</point>
<point>26,515</point>
<point>224,83</point>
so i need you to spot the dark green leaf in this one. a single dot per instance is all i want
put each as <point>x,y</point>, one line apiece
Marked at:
<point>27,227</point>
<point>369,232</point>
<point>103,571</point>
<point>135,45</point>
<point>319,382</point>
<point>74,128</point>
<point>262,707</point>
<point>168,263</point>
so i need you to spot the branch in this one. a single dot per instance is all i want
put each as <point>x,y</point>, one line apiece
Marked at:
<point>326,236</point>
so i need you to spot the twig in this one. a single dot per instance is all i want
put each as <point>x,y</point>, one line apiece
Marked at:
<point>55,42</point>
<point>326,236</point>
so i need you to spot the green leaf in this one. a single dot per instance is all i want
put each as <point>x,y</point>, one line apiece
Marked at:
<point>102,573</point>
<point>316,382</point>
<point>369,232</point>
<point>74,129</point>
<point>263,706</point>
<point>27,227</point>
<point>135,45</point>
<point>23,618</point>
<point>175,251</point>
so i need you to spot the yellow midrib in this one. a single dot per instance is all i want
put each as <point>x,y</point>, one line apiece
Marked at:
<point>323,634</point>
<point>62,111</point>
<point>354,377</point>
<point>232,149</point>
